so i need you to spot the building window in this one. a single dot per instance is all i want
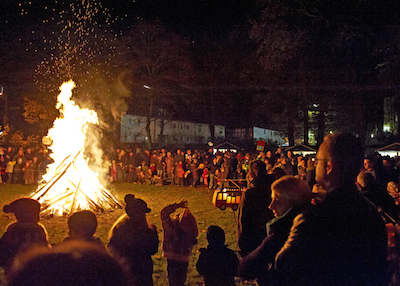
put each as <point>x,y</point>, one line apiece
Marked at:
<point>174,125</point>
<point>239,133</point>
<point>130,121</point>
<point>199,128</point>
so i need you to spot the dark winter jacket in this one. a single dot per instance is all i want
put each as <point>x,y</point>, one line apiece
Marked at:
<point>135,243</point>
<point>257,263</point>
<point>19,237</point>
<point>218,264</point>
<point>340,241</point>
<point>253,214</point>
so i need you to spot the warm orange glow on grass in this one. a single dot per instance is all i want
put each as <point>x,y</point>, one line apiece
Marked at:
<point>69,183</point>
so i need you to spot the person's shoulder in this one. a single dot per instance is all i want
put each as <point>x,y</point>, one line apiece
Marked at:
<point>96,240</point>
<point>24,225</point>
<point>121,222</point>
<point>152,227</point>
<point>203,250</point>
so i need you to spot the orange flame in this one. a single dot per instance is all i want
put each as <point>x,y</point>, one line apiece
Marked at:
<point>69,183</point>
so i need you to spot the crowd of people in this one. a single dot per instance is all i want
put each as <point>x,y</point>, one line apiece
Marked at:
<point>183,168</point>
<point>23,165</point>
<point>322,220</point>
<point>202,168</point>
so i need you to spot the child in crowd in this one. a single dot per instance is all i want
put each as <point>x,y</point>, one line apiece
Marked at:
<point>143,172</point>
<point>113,171</point>
<point>181,174</point>
<point>28,173</point>
<point>217,263</point>
<point>180,235</point>
<point>135,240</point>
<point>23,234</point>
<point>205,177</point>
<point>82,225</point>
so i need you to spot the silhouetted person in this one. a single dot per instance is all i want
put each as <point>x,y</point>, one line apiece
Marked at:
<point>135,240</point>
<point>180,233</point>
<point>23,234</point>
<point>253,212</point>
<point>82,225</point>
<point>342,239</point>
<point>74,263</point>
<point>378,196</point>
<point>217,263</point>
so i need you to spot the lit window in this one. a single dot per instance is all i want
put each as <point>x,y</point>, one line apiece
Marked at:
<point>386,128</point>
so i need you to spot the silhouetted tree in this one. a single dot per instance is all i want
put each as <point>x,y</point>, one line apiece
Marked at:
<point>160,66</point>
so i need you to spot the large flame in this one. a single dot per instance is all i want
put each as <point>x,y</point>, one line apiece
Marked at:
<point>69,183</point>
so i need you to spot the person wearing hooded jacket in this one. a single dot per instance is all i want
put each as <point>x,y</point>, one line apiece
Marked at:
<point>180,235</point>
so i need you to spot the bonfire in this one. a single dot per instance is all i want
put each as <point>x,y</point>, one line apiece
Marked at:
<point>71,183</point>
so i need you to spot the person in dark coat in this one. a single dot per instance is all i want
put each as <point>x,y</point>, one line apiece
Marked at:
<point>23,234</point>
<point>135,240</point>
<point>19,160</point>
<point>290,196</point>
<point>341,240</point>
<point>378,196</point>
<point>253,212</point>
<point>82,225</point>
<point>217,263</point>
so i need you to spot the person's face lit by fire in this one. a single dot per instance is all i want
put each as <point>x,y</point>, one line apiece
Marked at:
<point>368,165</point>
<point>322,158</point>
<point>279,205</point>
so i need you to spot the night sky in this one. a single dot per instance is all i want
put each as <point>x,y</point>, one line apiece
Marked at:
<point>29,31</point>
<point>189,18</point>
<point>26,31</point>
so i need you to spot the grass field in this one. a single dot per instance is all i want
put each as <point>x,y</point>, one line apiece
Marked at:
<point>200,204</point>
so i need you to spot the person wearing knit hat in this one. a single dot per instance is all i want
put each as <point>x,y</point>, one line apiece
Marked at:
<point>23,234</point>
<point>135,240</point>
<point>24,209</point>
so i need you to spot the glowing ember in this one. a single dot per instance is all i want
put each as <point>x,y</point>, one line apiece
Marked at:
<point>69,184</point>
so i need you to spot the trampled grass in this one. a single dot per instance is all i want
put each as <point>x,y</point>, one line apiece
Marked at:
<point>157,197</point>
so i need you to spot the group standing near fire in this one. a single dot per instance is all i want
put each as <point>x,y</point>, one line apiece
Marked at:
<point>328,219</point>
